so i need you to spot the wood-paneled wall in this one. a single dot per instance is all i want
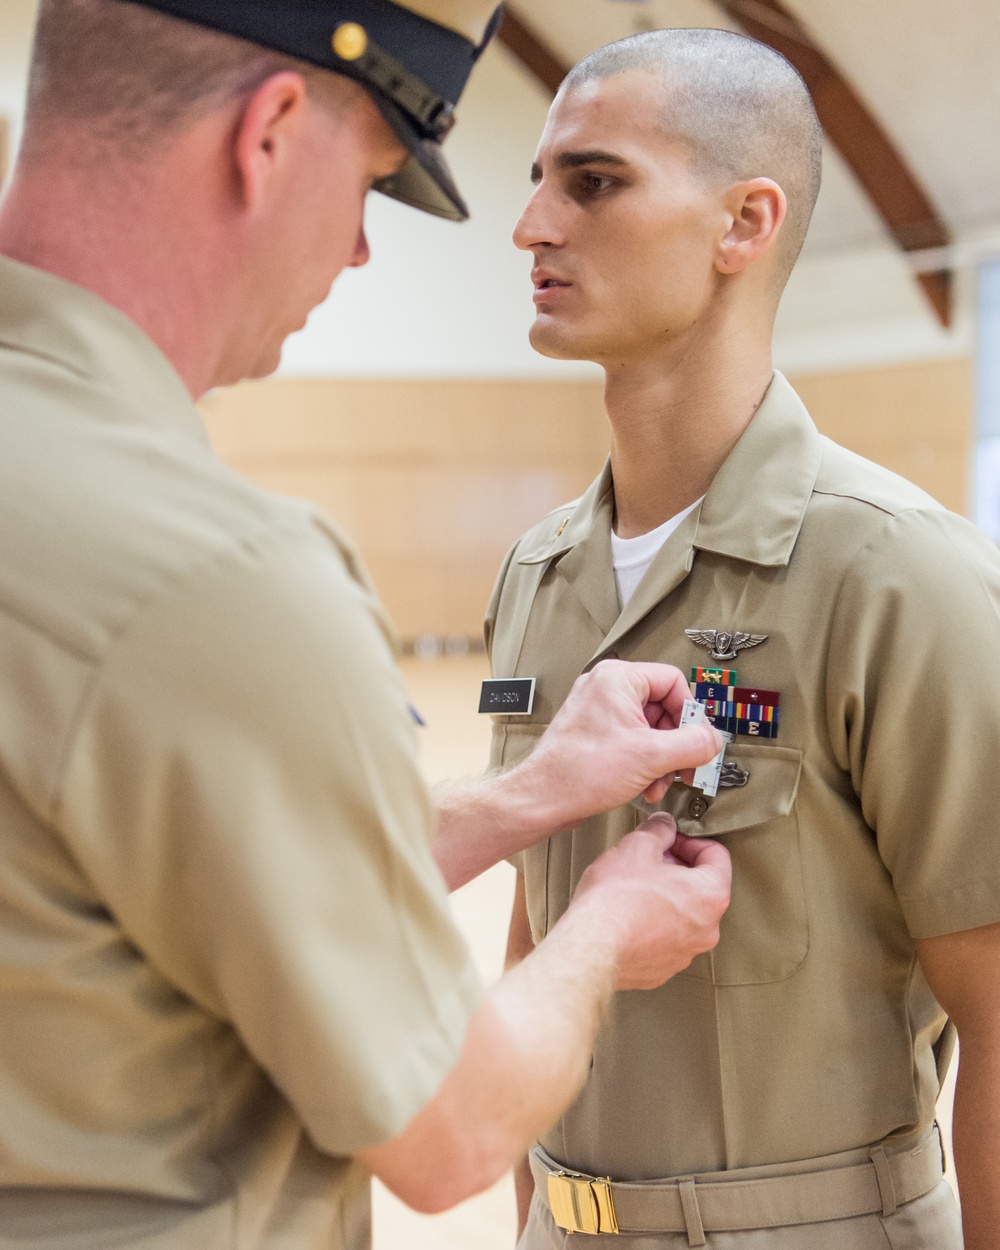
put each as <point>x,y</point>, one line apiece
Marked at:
<point>916,419</point>
<point>435,479</point>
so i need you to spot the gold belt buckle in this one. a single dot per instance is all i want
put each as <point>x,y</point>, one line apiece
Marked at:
<point>582,1204</point>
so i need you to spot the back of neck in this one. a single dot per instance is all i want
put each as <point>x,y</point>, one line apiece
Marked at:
<point>101,235</point>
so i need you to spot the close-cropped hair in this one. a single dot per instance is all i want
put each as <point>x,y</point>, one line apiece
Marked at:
<point>131,76</point>
<point>740,108</point>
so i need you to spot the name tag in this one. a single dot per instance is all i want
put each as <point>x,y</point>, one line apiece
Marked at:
<point>508,696</point>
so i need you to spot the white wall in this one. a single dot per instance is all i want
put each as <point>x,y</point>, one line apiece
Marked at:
<point>440,299</point>
<point>16,22</point>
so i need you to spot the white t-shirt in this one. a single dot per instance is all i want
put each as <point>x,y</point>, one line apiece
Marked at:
<point>633,556</point>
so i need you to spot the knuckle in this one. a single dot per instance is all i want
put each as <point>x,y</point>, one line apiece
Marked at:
<point>719,901</point>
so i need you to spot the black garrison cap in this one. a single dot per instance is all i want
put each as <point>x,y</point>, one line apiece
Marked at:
<point>414,58</point>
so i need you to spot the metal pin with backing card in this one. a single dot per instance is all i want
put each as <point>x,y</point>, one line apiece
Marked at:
<point>707,777</point>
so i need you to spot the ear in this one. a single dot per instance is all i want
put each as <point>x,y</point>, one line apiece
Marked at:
<point>265,130</point>
<point>756,210</point>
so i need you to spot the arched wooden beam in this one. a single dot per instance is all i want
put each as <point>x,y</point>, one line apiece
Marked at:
<point>903,204</point>
<point>531,50</point>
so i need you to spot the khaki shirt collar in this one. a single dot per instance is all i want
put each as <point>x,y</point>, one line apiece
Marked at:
<point>753,511</point>
<point>755,506</point>
<point>59,322</point>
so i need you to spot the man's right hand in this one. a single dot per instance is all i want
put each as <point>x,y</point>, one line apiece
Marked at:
<point>658,896</point>
<point>640,913</point>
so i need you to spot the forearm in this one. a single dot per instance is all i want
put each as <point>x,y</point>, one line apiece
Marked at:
<point>484,820</point>
<point>963,971</point>
<point>526,1056</point>
<point>976,1138</point>
<point>520,944</point>
<point>640,914</point>
<point>552,1003</point>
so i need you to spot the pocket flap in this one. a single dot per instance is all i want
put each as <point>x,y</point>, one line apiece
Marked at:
<point>772,784</point>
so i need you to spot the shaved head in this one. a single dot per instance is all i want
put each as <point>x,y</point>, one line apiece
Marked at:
<point>131,76</point>
<point>738,106</point>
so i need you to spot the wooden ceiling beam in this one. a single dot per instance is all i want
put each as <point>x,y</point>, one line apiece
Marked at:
<point>897,194</point>
<point>531,50</point>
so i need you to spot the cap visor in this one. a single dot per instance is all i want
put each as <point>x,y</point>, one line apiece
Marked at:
<point>424,181</point>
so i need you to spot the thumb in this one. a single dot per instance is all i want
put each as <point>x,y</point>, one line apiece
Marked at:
<point>672,750</point>
<point>661,824</point>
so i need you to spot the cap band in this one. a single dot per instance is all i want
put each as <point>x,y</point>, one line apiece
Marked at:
<point>439,57</point>
<point>433,115</point>
<point>413,68</point>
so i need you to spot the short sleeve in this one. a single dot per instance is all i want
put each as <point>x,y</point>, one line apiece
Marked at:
<point>913,706</point>
<point>243,791</point>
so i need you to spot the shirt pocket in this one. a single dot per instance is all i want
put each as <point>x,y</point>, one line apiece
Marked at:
<point>764,935</point>
<point>512,742</point>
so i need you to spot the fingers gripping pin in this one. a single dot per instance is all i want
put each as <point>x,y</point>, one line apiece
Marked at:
<point>706,778</point>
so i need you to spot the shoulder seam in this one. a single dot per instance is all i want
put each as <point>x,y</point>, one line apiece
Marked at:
<point>573,503</point>
<point>41,632</point>
<point>868,503</point>
<point>49,358</point>
<point>878,507</point>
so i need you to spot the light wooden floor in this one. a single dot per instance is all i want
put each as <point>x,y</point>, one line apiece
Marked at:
<point>455,744</point>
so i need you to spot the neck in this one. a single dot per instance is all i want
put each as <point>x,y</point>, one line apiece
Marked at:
<point>676,416</point>
<point>140,243</point>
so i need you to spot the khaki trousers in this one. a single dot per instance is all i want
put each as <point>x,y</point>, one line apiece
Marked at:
<point>931,1222</point>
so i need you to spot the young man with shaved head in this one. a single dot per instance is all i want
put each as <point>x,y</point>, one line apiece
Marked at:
<point>229,987</point>
<point>779,1094</point>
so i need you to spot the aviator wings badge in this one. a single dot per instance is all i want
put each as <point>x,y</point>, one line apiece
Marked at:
<point>723,645</point>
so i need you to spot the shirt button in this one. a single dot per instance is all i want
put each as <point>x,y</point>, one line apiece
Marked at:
<point>698,807</point>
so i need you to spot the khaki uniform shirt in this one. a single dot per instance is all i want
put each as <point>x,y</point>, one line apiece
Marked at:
<point>225,959</point>
<point>871,819</point>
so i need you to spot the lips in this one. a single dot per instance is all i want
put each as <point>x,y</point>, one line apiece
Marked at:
<point>547,281</point>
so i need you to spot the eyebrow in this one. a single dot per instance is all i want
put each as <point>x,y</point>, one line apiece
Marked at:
<point>574,160</point>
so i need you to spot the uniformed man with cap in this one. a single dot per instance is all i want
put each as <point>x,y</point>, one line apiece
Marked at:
<point>228,982</point>
<point>843,627</point>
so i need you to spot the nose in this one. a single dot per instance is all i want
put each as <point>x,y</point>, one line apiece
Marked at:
<point>362,252</point>
<point>536,227</point>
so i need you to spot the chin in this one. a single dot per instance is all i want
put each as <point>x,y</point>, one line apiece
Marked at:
<point>265,364</point>
<point>553,341</point>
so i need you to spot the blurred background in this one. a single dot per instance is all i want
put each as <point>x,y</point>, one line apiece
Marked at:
<point>412,408</point>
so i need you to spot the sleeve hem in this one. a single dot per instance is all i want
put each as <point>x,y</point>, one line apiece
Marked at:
<point>965,907</point>
<point>422,1063</point>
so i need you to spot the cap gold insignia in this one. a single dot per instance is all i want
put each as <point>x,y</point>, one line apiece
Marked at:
<point>350,41</point>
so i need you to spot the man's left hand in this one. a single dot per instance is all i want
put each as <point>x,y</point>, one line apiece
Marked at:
<point>614,739</point>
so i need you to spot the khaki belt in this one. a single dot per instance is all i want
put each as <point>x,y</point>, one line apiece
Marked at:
<point>838,1187</point>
